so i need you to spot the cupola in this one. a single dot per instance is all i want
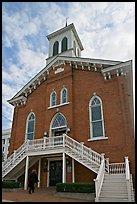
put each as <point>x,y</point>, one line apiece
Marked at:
<point>64,42</point>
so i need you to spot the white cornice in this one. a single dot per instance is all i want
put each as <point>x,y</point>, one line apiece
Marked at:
<point>17,100</point>
<point>107,66</point>
<point>118,66</point>
<point>122,68</point>
<point>89,60</point>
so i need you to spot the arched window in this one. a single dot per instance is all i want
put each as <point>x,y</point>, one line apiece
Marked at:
<point>64,95</point>
<point>78,53</point>
<point>30,126</point>
<point>96,117</point>
<point>59,122</point>
<point>56,48</point>
<point>53,98</point>
<point>64,44</point>
<point>74,44</point>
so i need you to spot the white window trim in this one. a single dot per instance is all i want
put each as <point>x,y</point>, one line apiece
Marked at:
<point>62,104</point>
<point>27,125</point>
<point>91,134</point>
<point>97,138</point>
<point>61,95</point>
<point>51,98</point>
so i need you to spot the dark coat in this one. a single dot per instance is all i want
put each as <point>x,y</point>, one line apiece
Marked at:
<point>33,178</point>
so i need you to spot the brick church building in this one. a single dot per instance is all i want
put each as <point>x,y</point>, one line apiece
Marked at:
<point>73,121</point>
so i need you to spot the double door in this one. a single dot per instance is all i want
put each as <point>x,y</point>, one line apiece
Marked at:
<point>55,172</point>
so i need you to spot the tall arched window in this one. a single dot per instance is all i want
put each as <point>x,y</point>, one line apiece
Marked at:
<point>30,126</point>
<point>56,48</point>
<point>53,98</point>
<point>64,44</point>
<point>96,118</point>
<point>64,95</point>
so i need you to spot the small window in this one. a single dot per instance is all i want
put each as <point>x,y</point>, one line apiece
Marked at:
<point>64,44</point>
<point>56,48</point>
<point>96,117</point>
<point>30,126</point>
<point>64,95</point>
<point>3,141</point>
<point>53,99</point>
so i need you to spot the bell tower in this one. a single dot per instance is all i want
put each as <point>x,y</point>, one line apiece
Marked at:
<point>64,42</point>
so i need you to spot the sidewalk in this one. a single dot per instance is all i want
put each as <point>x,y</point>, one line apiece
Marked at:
<point>45,195</point>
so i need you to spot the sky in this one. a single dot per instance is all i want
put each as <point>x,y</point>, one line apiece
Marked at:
<point>106,30</point>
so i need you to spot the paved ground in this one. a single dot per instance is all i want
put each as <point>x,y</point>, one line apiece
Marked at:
<point>43,195</point>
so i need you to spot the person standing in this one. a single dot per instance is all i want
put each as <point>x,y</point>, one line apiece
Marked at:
<point>33,178</point>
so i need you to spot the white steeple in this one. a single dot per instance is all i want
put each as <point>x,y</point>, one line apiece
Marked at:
<point>64,42</point>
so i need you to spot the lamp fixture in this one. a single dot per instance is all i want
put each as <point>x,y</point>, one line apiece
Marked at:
<point>68,129</point>
<point>45,133</point>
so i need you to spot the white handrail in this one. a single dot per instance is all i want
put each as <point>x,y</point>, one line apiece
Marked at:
<point>14,156</point>
<point>99,179</point>
<point>84,151</point>
<point>12,159</point>
<point>47,142</point>
<point>117,168</point>
<point>127,170</point>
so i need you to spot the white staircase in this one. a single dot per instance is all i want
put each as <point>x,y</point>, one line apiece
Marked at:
<point>47,146</point>
<point>114,188</point>
<point>113,181</point>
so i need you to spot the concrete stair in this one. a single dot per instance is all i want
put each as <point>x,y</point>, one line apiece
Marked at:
<point>114,189</point>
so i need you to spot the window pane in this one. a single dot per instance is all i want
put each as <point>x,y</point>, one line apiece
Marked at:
<point>30,126</point>
<point>97,129</point>
<point>55,123</point>
<point>55,48</point>
<point>31,117</point>
<point>96,113</point>
<point>53,99</point>
<point>30,136</point>
<point>64,45</point>
<point>64,96</point>
<point>95,101</point>
<point>59,121</point>
<point>62,122</point>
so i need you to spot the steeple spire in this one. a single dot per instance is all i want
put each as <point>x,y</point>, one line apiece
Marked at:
<point>66,21</point>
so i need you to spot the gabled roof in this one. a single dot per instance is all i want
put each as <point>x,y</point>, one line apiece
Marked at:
<point>66,28</point>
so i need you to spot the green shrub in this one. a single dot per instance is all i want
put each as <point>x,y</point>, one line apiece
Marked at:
<point>76,187</point>
<point>11,184</point>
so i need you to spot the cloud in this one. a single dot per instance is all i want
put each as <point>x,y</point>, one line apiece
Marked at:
<point>106,30</point>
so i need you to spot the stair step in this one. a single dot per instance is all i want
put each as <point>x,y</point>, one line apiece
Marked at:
<point>108,192</point>
<point>115,181</point>
<point>114,188</point>
<point>115,176</point>
<point>114,196</point>
<point>113,200</point>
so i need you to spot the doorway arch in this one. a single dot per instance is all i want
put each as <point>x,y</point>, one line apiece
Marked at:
<point>58,125</point>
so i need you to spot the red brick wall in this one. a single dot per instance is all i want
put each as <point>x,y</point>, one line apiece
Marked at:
<point>81,85</point>
<point>83,175</point>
